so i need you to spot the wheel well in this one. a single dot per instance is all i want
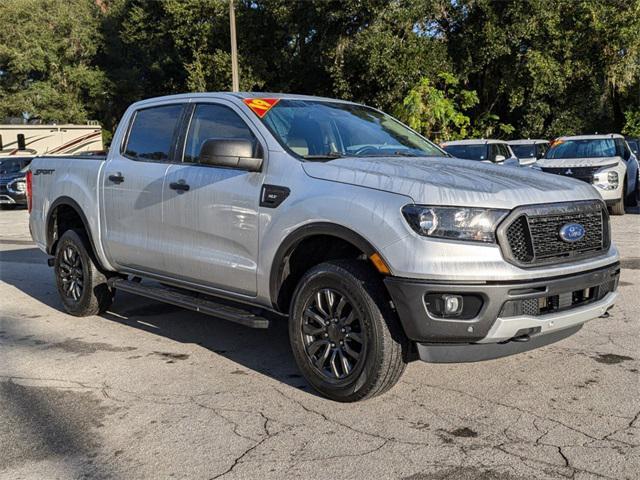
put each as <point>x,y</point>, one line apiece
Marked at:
<point>63,217</point>
<point>305,254</point>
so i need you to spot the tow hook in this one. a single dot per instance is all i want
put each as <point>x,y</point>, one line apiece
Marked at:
<point>606,314</point>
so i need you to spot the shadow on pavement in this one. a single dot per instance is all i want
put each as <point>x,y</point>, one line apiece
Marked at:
<point>265,351</point>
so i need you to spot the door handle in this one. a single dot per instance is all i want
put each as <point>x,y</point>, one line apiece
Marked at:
<point>180,186</point>
<point>116,177</point>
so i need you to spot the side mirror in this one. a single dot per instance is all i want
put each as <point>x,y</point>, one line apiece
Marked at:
<point>500,158</point>
<point>230,153</point>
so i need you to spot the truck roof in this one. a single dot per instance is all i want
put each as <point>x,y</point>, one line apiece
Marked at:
<point>238,95</point>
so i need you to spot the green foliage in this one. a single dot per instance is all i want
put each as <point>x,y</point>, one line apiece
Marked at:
<point>632,123</point>
<point>47,51</point>
<point>437,112</point>
<point>449,68</point>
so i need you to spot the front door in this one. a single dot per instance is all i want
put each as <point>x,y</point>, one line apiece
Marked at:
<point>211,213</point>
<point>132,190</point>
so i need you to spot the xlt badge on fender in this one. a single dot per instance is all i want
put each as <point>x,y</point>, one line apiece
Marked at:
<point>273,195</point>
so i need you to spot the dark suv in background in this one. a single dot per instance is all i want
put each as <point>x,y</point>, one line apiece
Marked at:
<point>13,184</point>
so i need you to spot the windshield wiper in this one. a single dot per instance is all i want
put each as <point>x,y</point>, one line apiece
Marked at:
<point>324,156</point>
<point>404,153</point>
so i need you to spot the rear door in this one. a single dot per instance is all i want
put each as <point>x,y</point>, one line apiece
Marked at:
<point>211,229</point>
<point>133,186</point>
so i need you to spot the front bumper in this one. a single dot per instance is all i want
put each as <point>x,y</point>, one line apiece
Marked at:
<point>507,309</point>
<point>9,196</point>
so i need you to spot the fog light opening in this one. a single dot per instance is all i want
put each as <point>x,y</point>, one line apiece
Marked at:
<point>453,304</point>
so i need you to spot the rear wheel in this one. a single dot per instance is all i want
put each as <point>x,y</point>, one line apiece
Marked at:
<point>82,287</point>
<point>346,339</point>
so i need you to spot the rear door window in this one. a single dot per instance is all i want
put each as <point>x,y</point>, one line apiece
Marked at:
<point>152,133</point>
<point>214,121</point>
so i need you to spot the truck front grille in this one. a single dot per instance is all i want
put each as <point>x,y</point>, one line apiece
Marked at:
<point>531,235</point>
<point>581,173</point>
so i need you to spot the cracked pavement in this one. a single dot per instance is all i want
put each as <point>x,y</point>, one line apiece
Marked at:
<point>152,391</point>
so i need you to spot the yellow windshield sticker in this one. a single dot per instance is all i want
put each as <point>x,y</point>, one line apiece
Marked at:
<point>260,106</point>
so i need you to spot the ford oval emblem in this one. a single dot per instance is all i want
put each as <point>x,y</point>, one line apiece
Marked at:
<point>572,232</point>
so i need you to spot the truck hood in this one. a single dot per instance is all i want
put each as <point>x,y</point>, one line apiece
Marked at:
<point>450,181</point>
<point>577,162</point>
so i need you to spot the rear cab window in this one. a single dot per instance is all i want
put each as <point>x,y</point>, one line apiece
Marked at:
<point>152,133</point>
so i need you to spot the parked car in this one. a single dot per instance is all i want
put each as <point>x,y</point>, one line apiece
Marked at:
<point>373,245</point>
<point>605,161</point>
<point>13,186</point>
<point>529,151</point>
<point>634,145</point>
<point>490,151</point>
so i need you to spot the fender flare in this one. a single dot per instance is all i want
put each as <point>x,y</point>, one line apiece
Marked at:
<point>70,202</point>
<point>289,244</point>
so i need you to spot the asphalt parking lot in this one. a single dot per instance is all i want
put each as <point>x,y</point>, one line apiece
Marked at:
<point>151,391</point>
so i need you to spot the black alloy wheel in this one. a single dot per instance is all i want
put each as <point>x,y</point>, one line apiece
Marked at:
<point>333,334</point>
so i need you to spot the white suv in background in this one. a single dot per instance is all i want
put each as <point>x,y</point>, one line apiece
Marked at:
<point>529,150</point>
<point>605,161</point>
<point>482,150</point>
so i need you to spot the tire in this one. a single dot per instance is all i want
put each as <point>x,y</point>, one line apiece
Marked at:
<point>376,361</point>
<point>618,207</point>
<point>82,287</point>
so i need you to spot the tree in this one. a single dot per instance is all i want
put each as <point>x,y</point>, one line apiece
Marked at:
<point>550,67</point>
<point>47,68</point>
<point>438,113</point>
<point>632,123</point>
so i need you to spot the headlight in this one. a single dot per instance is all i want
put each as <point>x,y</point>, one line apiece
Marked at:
<point>606,180</point>
<point>18,186</point>
<point>459,223</point>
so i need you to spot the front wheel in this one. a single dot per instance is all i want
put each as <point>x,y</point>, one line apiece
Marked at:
<point>83,288</point>
<point>346,339</point>
<point>618,207</point>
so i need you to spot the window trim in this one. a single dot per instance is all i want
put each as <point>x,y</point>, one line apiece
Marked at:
<point>186,123</point>
<point>172,152</point>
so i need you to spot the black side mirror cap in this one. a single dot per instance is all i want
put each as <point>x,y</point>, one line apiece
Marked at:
<point>231,153</point>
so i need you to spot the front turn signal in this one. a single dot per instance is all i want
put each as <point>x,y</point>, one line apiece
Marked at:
<point>379,263</point>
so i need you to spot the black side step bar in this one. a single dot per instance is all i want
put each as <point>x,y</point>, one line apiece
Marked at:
<point>191,302</point>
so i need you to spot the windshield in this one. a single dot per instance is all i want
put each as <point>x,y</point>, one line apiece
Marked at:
<point>589,148</point>
<point>13,165</point>
<point>469,152</point>
<point>325,130</point>
<point>524,151</point>
<point>633,145</point>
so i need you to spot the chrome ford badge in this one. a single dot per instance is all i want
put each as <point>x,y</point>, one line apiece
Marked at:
<point>572,232</point>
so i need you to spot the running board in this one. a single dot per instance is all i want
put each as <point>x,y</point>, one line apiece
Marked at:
<point>191,302</point>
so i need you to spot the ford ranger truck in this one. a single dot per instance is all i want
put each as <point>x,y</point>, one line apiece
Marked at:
<point>371,243</point>
<point>605,161</point>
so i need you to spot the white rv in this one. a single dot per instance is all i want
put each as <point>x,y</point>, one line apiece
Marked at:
<point>49,139</point>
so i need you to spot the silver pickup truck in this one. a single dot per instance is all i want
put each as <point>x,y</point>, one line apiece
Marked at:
<point>375,246</point>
